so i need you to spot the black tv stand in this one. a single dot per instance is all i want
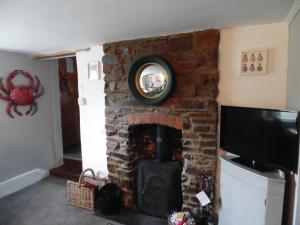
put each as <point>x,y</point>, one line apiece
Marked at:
<point>253,164</point>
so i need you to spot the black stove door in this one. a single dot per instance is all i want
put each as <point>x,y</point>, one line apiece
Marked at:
<point>159,187</point>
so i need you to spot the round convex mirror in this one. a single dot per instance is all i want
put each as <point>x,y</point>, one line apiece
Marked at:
<point>151,80</point>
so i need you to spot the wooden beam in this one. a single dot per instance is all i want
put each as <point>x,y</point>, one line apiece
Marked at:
<point>57,55</point>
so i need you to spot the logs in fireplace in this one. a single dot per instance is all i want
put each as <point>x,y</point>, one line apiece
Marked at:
<point>159,180</point>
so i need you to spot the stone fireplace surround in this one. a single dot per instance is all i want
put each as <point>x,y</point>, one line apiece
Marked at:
<point>191,108</point>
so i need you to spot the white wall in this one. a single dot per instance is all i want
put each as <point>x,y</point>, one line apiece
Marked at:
<point>92,115</point>
<point>293,91</point>
<point>267,91</point>
<point>26,142</point>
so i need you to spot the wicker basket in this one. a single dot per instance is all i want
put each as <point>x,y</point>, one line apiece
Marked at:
<point>83,192</point>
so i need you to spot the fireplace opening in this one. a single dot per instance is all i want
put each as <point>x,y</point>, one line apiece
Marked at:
<point>143,140</point>
<point>158,168</point>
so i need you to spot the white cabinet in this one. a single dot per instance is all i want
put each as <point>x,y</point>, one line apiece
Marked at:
<point>250,197</point>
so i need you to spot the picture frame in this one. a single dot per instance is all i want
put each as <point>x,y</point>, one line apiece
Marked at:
<point>94,71</point>
<point>70,65</point>
<point>254,62</point>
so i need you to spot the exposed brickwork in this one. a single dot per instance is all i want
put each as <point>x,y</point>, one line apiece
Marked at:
<point>157,118</point>
<point>192,107</point>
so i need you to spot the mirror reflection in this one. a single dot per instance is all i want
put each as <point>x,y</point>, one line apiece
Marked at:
<point>152,80</point>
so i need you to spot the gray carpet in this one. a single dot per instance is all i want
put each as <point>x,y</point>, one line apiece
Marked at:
<point>45,204</point>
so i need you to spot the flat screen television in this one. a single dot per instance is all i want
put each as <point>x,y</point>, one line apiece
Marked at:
<point>265,136</point>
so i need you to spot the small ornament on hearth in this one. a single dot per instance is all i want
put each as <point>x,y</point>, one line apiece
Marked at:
<point>181,218</point>
<point>21,95</point>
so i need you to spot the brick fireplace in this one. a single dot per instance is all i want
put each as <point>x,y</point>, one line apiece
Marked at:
<point>191,110</point>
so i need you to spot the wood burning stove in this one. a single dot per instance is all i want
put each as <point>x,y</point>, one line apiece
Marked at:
<point>159,181</point>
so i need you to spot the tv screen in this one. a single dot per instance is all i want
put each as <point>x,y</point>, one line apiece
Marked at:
<point>263,135</point>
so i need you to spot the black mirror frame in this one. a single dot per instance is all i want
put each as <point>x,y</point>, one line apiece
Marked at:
<point>132,79</point>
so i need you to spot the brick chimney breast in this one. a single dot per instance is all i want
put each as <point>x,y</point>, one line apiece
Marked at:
<point>191,108</point>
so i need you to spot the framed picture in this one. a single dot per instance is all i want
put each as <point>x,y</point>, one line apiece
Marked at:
<point>70,65</point>
<point>254,62</point>
<point>94,70</point>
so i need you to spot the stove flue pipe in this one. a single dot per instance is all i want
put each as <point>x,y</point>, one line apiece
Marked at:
<point>162,152</point>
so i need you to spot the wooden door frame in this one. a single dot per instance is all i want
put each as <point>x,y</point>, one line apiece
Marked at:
<point>56,112</point>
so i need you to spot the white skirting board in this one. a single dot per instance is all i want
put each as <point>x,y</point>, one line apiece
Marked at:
<point>19,182</point>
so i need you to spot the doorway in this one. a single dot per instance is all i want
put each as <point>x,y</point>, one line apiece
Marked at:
<point>70,118</point>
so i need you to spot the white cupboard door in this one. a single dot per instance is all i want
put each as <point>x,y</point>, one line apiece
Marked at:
<point>242,203</point>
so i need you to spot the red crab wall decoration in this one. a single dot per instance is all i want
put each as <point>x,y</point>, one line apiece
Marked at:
<point>21,95</point>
